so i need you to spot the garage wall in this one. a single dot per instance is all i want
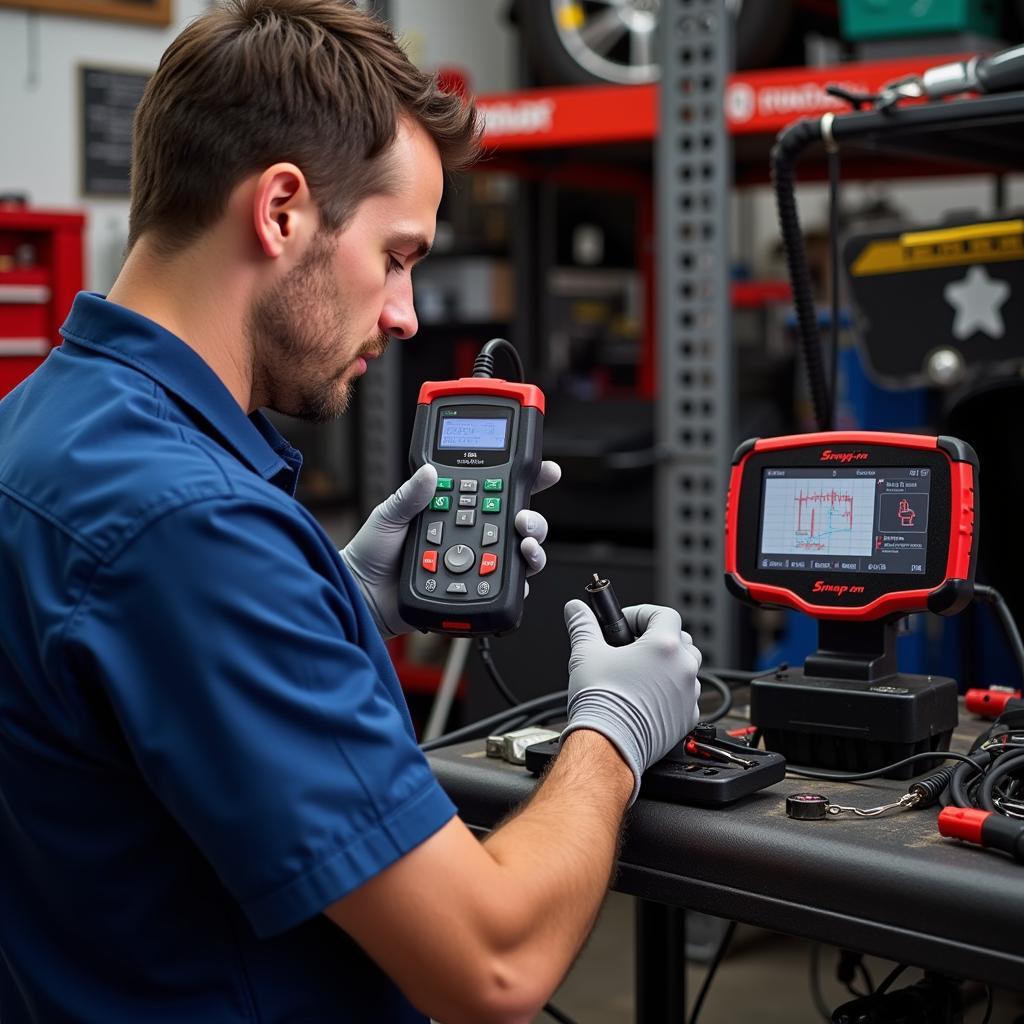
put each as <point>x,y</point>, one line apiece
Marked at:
<point>470,34</point>
<point>40,54</point>
<point>39,57</point>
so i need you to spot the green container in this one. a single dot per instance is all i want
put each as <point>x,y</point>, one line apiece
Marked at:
<point>892,19</point>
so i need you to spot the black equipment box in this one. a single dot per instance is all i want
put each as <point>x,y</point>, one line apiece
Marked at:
<point>682,778</point>
<point>854,725</point>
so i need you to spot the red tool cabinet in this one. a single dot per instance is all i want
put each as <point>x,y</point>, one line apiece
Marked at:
<point>41,269</point>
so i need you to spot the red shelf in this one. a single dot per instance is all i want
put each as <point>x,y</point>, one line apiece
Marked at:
<point>756,103</point>
<point>35,299</point>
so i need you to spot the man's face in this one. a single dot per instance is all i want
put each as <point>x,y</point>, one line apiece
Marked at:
<point>350,293</point>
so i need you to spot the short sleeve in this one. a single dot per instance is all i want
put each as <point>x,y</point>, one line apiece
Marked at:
<point>226,643</point>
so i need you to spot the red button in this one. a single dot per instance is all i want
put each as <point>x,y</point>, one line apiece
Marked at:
<point>430,561</point>
<point>488,563</point>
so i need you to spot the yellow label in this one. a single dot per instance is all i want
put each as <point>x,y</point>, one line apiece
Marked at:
<point>945,247</point>
<point>571,17</point>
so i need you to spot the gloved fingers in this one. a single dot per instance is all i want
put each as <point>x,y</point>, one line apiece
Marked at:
<point>662,625</point>
<point>408,501</point>
<point>533,555</point>
<point>653,618</point>
<point>549,475</point>
<point>689,645</point>
<point>532,524</point>
<point>584,632</point>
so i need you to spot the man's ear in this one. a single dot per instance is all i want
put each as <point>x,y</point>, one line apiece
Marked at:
<point>283,212</point>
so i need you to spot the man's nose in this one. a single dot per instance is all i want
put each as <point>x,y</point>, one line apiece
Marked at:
<point>398,317</point>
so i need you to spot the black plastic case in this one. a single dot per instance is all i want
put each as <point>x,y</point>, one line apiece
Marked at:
<point>682,778</point>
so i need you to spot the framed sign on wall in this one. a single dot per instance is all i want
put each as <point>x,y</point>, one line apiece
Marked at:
<point>107,101</point>
<point>152,12</point>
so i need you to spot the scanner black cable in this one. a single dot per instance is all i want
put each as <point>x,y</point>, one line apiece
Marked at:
<point>483,646</point>
<point>483,365</point>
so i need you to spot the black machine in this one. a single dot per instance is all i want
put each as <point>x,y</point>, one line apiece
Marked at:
<point>856,529</point>
<point>461,571</point>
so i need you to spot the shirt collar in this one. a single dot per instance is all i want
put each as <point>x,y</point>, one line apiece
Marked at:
<point>118,332</point>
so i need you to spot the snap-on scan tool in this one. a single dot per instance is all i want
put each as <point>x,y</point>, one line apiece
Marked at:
<point>855,529</point>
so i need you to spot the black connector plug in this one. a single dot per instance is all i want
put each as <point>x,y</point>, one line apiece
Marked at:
<point>608,612</point>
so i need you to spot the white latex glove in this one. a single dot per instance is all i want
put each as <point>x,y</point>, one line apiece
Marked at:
<point>374,554</point>
<point>641,697</point>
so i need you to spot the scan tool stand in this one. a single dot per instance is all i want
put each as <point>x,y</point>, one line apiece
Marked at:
<point>850,709</point>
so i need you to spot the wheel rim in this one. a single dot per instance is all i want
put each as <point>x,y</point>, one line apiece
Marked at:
<point>612,39</point>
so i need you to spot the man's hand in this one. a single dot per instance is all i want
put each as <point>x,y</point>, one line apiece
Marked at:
<point>374,555</point>
<point>642,697</point>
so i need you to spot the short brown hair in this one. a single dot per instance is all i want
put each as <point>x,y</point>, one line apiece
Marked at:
<point>317,83</point>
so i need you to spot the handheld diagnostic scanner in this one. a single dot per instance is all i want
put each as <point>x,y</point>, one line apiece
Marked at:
<point>853,525</point>
<point>462,572</point>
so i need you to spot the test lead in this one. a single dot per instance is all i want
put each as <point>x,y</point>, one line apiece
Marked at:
<point>608,612</point>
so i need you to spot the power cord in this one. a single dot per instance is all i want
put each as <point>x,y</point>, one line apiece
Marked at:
<point>992,596</point>
<point>932,755</point>
<point>483,646</point>
<point>554,1012</point>
<point>712,969</point>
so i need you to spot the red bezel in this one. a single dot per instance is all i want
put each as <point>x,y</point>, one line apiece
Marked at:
<point>528,395</point>
<point>958,563</point>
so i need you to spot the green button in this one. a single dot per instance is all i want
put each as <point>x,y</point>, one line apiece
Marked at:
<point>491,505</point>
<point>441,503</point>
<point>445,483</point>
<point>494,485</point>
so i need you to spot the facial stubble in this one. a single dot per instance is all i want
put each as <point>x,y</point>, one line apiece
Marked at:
<point>295,332</point>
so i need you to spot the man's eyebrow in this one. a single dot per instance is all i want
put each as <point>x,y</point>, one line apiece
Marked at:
<point>411,240</point>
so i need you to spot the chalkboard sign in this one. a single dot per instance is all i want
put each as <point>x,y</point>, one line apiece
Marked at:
<point>109,98</point>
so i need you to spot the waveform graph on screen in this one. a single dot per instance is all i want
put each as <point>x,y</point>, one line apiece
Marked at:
<point>818,516</point>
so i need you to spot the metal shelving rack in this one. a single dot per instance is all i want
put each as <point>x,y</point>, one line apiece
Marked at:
<point>695,392</point>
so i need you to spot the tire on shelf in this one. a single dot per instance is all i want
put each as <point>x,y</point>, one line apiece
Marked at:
<point>625,52</point>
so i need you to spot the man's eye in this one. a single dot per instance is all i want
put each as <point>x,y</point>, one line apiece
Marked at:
<point>394,265</point>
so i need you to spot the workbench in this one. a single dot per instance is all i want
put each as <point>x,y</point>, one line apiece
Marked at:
<point>889,886</point>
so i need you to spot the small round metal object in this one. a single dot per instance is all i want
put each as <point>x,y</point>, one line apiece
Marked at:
<point>945,367</point>
<point>459,558</point>
<point>807,806</point>
<point>483,588</point>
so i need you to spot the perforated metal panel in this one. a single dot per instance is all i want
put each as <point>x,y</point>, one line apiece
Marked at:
<point>693,167</point>
<point>380,429</point>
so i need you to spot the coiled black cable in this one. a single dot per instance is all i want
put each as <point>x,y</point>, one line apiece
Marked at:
<point>958,784</point>
<point>1006,764</point>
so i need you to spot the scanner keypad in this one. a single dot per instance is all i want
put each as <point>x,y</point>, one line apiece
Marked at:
<point>451,561</point>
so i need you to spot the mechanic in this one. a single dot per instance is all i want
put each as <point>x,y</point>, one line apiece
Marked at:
<point>212,804</point>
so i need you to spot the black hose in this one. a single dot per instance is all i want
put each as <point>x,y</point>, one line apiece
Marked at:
<point>789,144</point>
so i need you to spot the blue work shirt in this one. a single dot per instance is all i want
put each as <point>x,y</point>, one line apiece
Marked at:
<point>203,743</point>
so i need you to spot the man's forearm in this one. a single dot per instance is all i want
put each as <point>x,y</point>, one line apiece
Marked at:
<point>559,849</point>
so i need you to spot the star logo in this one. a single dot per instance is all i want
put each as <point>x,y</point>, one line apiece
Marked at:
<point>977,300</point>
